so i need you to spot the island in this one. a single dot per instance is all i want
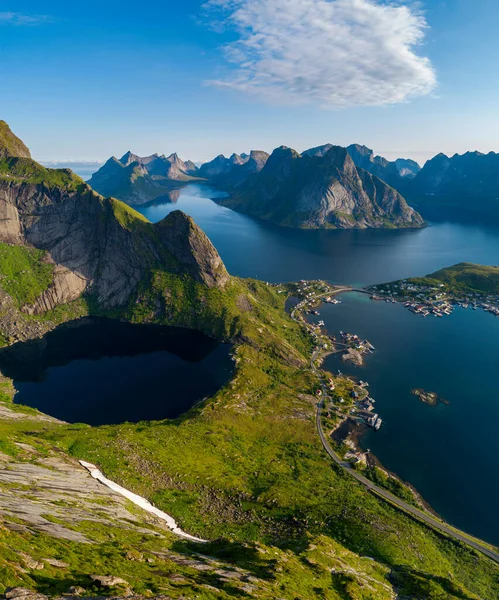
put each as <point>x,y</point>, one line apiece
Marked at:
<point>242,496</point>
<point>430,398</point>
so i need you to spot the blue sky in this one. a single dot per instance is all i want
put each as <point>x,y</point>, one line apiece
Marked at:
<point>86,81</point>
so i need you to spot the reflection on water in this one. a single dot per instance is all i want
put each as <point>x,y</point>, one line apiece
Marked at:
<point>252,248</point>
<point>99,371</point>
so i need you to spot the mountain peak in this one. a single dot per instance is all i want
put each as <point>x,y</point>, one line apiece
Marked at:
<point>10,144</point>
<point>192,249</point>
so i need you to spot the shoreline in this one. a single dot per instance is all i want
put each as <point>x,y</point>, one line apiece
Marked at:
<point>349,429</point>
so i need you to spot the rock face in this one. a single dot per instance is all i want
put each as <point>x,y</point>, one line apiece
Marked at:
<point>319,190</point>
<point>395,173</point>
<point>97,245</point>
<point>138,180</point>
<point>235,171</point>
<point>11,145</point>
<point>469,181</point>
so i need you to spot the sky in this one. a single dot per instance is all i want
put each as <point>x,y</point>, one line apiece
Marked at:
<point>85,81</point>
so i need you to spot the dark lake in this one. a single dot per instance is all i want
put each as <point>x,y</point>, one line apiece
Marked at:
<point>450,453</point>
<point>99,371</point>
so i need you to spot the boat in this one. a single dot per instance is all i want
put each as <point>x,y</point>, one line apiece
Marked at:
<point>378,423</point>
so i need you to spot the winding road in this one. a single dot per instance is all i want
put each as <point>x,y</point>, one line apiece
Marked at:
<point>371,486</point>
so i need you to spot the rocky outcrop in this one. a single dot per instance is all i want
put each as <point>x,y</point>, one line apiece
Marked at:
<point>138,180</point>
<point>98,245</point>
<point>192,249</point>
<point>321,189</point>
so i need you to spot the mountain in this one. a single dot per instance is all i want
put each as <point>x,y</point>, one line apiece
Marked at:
<point>468,181</point>
<point>138,180</point>
<point>244,469</point>
<point>320,189</point>
<point>469,277</point>
<point>94,245</point>
<point>394,173</point>
<point>234,171</point>
<point>10,144</point>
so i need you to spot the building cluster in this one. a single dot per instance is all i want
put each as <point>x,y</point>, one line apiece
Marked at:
<point>434,299</point>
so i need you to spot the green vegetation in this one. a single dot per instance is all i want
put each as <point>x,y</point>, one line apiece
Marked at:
<point>24,274</point>
<point>25,170</point>
<point>467,276</point>
<point>11,145</point>
<point>244,469</point>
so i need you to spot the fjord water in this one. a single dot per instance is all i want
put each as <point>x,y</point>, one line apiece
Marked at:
<point>99,371</point>
<point>252,248</point>
<point>450,453</point>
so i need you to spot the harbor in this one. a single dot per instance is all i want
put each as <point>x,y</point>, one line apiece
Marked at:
<point>347,398</point>
<point>427,299</point>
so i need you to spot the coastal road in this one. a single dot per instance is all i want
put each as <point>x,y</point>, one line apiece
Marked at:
<point>372,487</point>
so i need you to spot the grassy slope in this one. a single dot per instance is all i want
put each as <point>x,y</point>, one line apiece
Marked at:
<point>24,274</point>
<point>247,465</point>
<point>470,276</point>
<point>10,144</point>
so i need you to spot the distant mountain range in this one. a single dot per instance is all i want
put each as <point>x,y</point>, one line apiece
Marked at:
<point>138,180</point>
<point>234,171</point>
<point>464,181</point>
<point>469,181</point>
<point>321,188</point>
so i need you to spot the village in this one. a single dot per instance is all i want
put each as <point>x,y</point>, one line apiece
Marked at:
<point>344,398</point>
<point>425,298</point>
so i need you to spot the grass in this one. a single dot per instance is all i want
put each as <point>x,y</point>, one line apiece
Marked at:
<point>468,276</point>
<point>25,273</point>
<point>26,170</point>
<point>244,469</point>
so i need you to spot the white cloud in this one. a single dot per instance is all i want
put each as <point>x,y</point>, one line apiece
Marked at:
<point>16,18</point>
<point>334,53</point>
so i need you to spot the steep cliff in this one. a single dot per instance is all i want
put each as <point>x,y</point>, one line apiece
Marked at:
<point>96,245</point>
<point>321,189</point>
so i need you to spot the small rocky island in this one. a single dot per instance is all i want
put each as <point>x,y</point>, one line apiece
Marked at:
<point>430,398</point>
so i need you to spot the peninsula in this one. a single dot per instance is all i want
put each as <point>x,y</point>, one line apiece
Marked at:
<point>246,471</point>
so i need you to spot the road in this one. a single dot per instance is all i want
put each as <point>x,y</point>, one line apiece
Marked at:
<point>371,486</point>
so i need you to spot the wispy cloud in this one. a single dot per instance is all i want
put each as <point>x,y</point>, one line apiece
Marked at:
<point>334,53</point>
<point>17,18</point>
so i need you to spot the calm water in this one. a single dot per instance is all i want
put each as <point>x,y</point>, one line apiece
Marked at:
<point>449,453</point>
<point>253,248</point>
<point>102,372</point>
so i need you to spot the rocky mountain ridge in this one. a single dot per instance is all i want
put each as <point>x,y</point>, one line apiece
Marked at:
<point>393,173</point>
<point>321,188</point>
<point>138,180</point>
<point>467,181</point>
<point>96,245</point>
<point>230,173</point>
